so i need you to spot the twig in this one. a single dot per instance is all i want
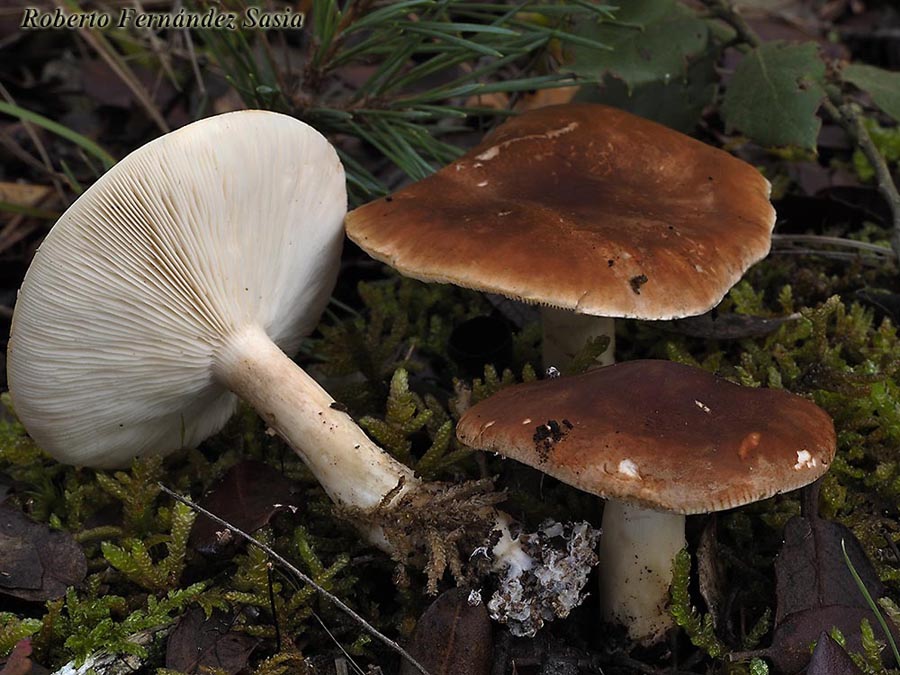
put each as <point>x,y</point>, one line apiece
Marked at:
<point>790,239</point>
<point>851,121</point>
<point>721,9</point>
<point>876,261</point>
<point>369,628</point>
<point>840,110</point>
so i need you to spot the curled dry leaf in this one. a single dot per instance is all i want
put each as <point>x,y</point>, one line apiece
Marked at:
<point>36,563</point>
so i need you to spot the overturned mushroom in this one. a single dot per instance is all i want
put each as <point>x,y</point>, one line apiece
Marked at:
<point>586,210</point>
<point>659,440</point>
<point>184,276</point>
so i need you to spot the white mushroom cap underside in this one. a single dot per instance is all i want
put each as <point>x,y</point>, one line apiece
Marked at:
<point>232,221</point>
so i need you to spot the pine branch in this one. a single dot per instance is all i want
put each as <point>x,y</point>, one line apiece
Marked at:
<point>430,59</point>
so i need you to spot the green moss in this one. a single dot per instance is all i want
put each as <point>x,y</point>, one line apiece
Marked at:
<point>133,558</point>
<point>886,139</point>
<point>698,627</point>
<point>13,629</point>
<point>408,395</point>
<point>94,621</point>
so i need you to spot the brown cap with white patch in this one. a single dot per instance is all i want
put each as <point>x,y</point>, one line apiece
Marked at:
<point>582,207</point>
<point>659,434</point>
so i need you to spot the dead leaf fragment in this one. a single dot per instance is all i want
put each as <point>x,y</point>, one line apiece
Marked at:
<point>247,496</point>
<point>828,658</point>
<point>452,637</point>
<point>811,571</point>
<point>199,645</point>
<point>18,662</point>
<point>816,592</point>
<point>722,326</point>
<point>37,563</point>
<point>23,194</point>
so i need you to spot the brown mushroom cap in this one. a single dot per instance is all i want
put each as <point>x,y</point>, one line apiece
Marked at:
<point>659,434</point>
<point>583,207</point>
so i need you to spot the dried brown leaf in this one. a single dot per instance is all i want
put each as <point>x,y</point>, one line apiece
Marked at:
<point>247,496</point>
<point>36,563</point>
<point>828,658</point>
<point>816,590</point>
<point>198,644</point>
<point>452,637</point>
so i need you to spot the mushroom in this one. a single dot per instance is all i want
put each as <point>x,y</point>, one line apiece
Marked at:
<point>586,210</point>
<point>183,277</point>
<point>659,440</point>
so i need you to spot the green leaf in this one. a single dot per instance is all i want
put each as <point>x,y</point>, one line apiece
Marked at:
<point>882,85</point>
<point>678,104</point>
<point>650,40</point>
<point>775,93</point>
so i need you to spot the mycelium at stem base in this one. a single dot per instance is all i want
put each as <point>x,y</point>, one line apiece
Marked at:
<point>654,434</point>
<point>359,475</point>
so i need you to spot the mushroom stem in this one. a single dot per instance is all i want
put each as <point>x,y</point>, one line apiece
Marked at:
<point>636,551</point>
<point>358,474</point>
<point>352,469</point>
<point>565,333</point>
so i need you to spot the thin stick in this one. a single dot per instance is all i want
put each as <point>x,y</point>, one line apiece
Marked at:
<point>788,239</point>
<point>273,608</point>
<point>374,632</point>
<point>852,122</point>
<point>721,9</point>
<point>839,110</point>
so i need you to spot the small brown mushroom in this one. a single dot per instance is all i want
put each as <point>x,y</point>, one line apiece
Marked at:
<point>586,210</point>
<point>659,440</point>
